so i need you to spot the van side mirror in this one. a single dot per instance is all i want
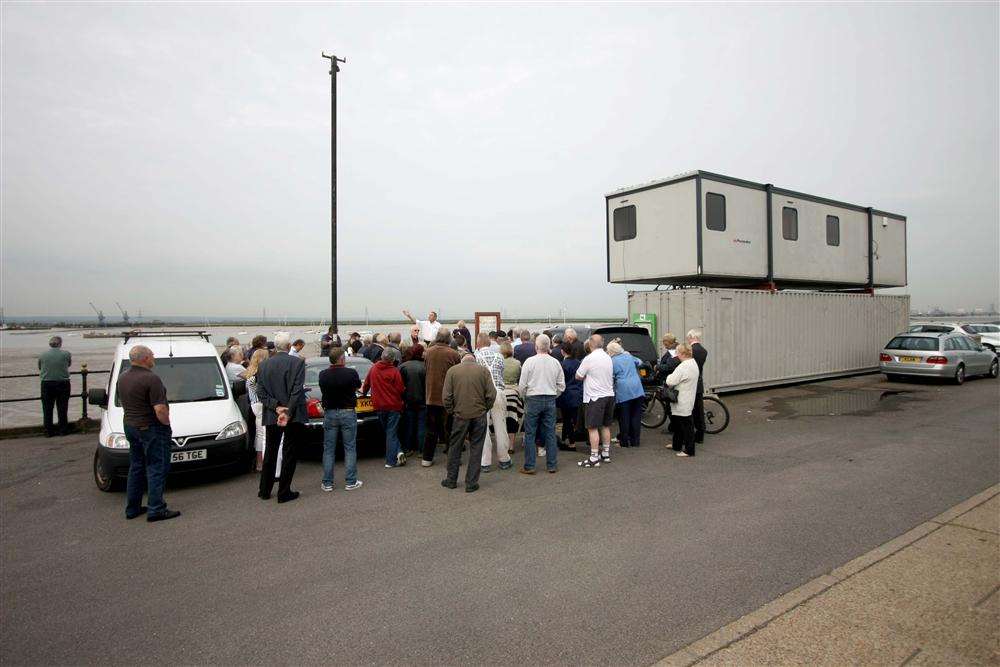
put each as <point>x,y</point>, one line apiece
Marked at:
<point>98,396</point>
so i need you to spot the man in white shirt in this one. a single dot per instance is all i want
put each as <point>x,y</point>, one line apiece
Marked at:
<point>428,328</point>
<point>597,374</point>
<point>493,362</point>
<point>542,381</point>
<point>296,349</point>
<point>234,367</point>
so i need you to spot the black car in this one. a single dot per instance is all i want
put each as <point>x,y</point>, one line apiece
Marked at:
<point>369,428</point>
<point>634,339</point>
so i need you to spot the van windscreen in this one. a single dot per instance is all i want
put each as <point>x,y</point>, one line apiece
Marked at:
<point>188,379</point>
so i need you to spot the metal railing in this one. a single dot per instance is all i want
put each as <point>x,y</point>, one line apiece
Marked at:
<point>83,373</point>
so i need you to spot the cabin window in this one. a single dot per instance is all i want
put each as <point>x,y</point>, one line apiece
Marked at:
<point>789,224</point>
<point>715,212</point>
<point>832,230</point>
<point>624,222</point>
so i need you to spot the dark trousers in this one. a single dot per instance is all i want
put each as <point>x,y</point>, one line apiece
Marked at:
<point>569,423</point>
<point>437,420</point>
<point>699,417</point>
<point>55,394</point>
<point>148,465</point>
<point>293,433</point>
<point>630,421</point>
<point>683,434</point>
<point>413,429</point>
<point>476,430</point>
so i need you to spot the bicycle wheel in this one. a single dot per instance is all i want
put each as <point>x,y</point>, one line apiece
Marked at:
<point>654,413</point>
<point>716,415</point>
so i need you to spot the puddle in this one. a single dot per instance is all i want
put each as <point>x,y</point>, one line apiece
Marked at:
<point>825,402</point>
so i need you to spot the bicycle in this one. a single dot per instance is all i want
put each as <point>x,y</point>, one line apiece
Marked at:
<point>655,412</point>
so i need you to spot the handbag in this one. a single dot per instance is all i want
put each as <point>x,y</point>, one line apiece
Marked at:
<point>668,394</point>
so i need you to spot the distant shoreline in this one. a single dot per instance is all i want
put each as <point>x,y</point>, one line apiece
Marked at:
<point>189,323</point>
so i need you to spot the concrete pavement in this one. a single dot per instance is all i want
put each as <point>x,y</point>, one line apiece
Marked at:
<point>623,564</point>
<point>930,596</point>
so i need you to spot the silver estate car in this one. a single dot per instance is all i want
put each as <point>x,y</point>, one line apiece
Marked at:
<point>934,354</point>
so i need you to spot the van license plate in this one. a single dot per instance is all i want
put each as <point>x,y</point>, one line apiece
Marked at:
<point>193,455</point>
<point>910,360</point>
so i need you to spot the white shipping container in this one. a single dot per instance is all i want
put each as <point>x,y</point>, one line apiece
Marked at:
<point>757,338</point>
<point>701,228</point>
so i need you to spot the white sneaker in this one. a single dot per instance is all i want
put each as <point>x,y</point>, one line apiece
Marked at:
<point>425,463</point>
<point>401,459</point>
<point>541,452</point>
<point>681,454</point>
<point>326,487</point>
<point>357,485</point>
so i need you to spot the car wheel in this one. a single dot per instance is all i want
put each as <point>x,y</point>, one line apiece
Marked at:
<point>104,480</point>
<point>995,369</point>
<point>960,374</point>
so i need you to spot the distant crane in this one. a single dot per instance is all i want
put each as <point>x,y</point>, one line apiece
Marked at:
<point>100,314</point>
<point>124,313</point>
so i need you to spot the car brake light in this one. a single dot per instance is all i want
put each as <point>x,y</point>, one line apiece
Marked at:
<point>885,357</point>
<point>314,408</point>
<point>937,360</point>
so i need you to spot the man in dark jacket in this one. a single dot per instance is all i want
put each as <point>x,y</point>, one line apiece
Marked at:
<point>468,394</point>
<point>279,388</point>
<point>700,355</point>
<point>526,348</point>
<point>414,422</point>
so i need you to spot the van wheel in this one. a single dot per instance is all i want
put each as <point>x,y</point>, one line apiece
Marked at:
<point>960,374</point>
<point>105,480</point>
<point>995,369</point>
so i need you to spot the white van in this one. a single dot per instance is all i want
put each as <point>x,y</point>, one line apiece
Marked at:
<point>208,429</point>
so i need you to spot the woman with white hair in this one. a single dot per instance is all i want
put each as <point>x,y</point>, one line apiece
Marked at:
<point>685,381</point>
<point>629,394</point>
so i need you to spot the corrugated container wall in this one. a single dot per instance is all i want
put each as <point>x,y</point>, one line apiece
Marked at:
<point>757,338</point>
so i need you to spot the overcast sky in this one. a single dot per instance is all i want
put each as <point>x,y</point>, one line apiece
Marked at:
<point>176,158</point>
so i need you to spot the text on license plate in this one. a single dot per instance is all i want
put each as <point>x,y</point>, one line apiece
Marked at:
<point>364,404</point>
<point>193,455</point>
<point>910,360</point>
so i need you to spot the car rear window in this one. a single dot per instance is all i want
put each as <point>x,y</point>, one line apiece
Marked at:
<point>980,328</point>
<point>638,344</point>
<point>913,343</point>
<point>188,379</point>
<point>361,365</point>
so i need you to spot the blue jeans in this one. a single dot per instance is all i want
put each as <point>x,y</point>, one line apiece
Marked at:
<point>390,424</point>
<point>340,424</point>
<point>540,427</point>
<point>414,426</point>
<point>148,465</point>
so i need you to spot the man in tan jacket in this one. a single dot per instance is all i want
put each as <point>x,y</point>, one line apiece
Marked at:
<point>468,394</point>
<point>438,358</point>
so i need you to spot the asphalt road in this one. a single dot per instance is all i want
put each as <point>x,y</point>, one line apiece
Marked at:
<point>618,565</point>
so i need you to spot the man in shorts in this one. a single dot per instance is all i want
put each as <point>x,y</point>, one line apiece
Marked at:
<point>597,374</point>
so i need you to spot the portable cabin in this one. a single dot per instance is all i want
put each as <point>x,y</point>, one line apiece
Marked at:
<point>701,228</point>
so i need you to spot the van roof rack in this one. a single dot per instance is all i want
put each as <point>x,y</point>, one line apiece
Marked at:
<point>126,335</point>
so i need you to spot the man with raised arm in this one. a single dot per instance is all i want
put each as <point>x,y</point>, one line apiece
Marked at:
<point>428,328</point>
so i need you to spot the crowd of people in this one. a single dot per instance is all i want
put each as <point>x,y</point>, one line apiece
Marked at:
<point>441,387</point>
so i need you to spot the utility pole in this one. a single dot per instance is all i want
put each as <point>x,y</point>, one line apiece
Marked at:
<point>334,68</point>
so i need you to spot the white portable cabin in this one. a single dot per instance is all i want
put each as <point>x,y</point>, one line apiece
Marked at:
<point>701,228</point>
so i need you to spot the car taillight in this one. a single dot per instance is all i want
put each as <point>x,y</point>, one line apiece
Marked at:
<point>314,407</point>
<point>937,360</point>
<point>885,357</point>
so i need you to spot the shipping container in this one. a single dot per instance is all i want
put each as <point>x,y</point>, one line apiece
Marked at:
<point>701,228</point>
<point>758,338</point>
